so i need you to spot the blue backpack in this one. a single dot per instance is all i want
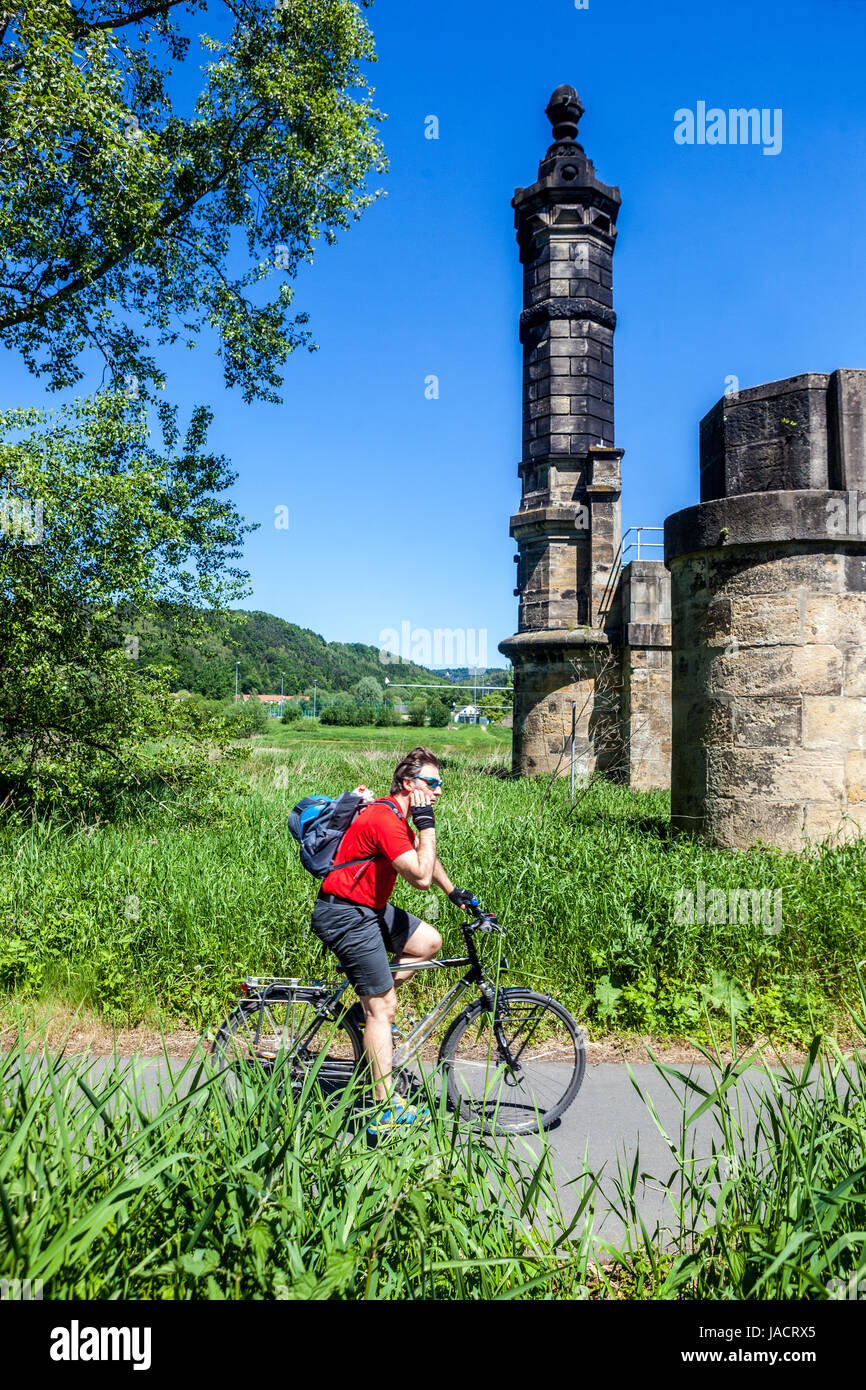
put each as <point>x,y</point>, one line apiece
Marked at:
<point>318,823</point>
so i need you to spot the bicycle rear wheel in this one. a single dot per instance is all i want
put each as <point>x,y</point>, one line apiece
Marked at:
<point>515,1072</point>
<point>280,1030</point>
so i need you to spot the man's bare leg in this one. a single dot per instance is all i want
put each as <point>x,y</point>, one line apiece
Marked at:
<point>424,943</point>
<point>379,1013</point>
<point>380,1010</point>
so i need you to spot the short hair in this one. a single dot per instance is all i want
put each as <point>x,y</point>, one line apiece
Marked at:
<point>410,766</point>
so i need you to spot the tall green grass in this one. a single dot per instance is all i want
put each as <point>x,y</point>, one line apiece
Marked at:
<point>160,917</point>
<point>777,1209</point>
<point>111,1189</point>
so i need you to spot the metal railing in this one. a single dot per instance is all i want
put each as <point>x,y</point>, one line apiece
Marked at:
<point>617,566</point>
<point>636,545</point>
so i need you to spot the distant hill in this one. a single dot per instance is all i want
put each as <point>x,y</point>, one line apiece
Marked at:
<point>265,646</point>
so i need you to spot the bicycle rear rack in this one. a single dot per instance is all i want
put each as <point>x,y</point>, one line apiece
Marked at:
<point>257,983</point>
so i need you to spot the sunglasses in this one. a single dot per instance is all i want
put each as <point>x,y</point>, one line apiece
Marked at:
<point>432,782</point>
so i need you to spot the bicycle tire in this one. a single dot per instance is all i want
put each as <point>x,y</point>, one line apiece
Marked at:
<point>481,1086</point>
<point>255,1037</point>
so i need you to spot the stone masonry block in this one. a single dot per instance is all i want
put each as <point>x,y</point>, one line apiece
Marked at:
<point>751,572</point>
<point>839,619</point>
<point>855,672</point>
<point>764,722</point>
<point>778,671</point>
<point>855,775</point>
<point>739,824</point>
<point>785,774</point>
<point>760,621</point>
<point>767,438</point>
<point>823,821</point>
<point>833,722</point>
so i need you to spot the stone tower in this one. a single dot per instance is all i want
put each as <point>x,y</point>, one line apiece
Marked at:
<point>568,651</point>
<point>769,618</point>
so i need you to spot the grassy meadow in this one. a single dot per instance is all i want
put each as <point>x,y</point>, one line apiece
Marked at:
<point>155,920</point>
<point>113,1190</point>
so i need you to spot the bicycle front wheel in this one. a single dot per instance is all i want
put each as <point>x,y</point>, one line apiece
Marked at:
<point>261,1033</point>
<point>515,1071</point>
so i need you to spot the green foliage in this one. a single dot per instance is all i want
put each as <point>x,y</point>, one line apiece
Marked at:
<point>439,714</point>
<point>246,718</point>
<point>291,713</point>
<point>387,717</point>
<point>267,649</point>
<point>777,1210</point>
<point>119,203</point>
<point>128,533</point>
<point>497,704</point>
<point>368,691</point>
<point>109,1192</point>
<point>418,711</point>
<point>588,896</point>
<point>332,716</point>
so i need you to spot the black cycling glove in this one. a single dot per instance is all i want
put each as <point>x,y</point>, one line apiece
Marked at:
<point>423,817</point>
<point>461,897</point>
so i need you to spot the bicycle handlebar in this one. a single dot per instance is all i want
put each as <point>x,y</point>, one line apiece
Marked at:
<point>484,921</point>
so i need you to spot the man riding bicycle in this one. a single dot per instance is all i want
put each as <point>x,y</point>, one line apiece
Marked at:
<point>354,918</point>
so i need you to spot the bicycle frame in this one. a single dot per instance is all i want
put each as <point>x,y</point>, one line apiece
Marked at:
<point>421,1031</point>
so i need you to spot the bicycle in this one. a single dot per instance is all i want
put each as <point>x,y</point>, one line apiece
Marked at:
<point>513,1059</point>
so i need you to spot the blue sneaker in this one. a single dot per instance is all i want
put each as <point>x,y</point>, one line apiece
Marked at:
<point>398,1113</point>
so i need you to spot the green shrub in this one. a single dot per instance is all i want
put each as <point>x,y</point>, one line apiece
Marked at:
<point>246,718</point>
<point>439,714</point>
<point>387,717</point>
<point>418,711</point>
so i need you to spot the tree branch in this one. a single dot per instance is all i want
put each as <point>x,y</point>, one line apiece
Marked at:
<point>128,247</point>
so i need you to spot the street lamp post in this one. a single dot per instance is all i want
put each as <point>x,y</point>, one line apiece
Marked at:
<point>237,665</point>
<point>315,696</point>
<point>282,680</point>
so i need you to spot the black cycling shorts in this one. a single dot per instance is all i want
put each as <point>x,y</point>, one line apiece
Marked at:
<point>362,938</point>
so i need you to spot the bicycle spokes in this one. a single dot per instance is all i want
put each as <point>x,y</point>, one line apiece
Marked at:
<point>518,1068</point>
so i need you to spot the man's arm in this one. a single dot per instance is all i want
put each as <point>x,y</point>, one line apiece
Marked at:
<point>418,866</point>
<point>441,879</point>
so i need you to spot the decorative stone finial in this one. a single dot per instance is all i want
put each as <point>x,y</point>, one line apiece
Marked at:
<point>564,110</point>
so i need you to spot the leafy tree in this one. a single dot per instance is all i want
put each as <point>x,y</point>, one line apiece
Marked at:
<point>439,714</point>
<point>495,705</point>
<point>120,200</point>
<point>246,718</point>
<point>418,711</point>
<point>291,714</point>
<point>332,715</point>
<point>369,691</point>
<point>127,533</point>
<point>387,717</point>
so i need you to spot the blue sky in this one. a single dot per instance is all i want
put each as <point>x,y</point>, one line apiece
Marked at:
<point>729,262</point>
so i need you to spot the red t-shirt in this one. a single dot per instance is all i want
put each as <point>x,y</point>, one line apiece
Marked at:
<point>375,830</point>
